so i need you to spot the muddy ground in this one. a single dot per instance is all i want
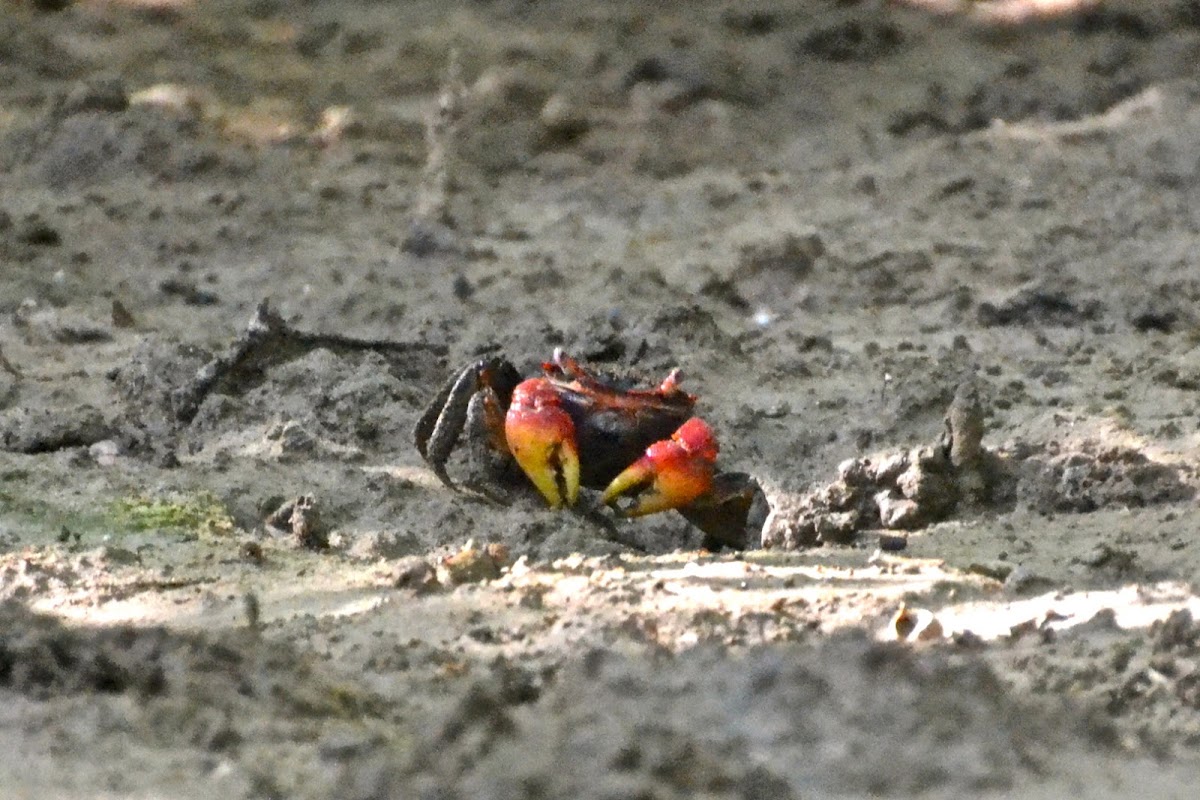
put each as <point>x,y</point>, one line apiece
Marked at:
<point>868,234</point>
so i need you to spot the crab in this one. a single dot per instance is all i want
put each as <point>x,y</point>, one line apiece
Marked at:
<point>642,449</point>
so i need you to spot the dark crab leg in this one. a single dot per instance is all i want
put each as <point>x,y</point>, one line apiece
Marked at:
<point>723,513</point>
<point>437,431</point>
<point>486,449</point>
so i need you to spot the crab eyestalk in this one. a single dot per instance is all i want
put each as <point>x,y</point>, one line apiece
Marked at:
<point>541,437</point>
<point>672,473</point>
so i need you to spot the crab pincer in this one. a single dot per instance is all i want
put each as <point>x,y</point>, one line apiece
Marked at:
<point>672,474</point>
<point>541,437</point>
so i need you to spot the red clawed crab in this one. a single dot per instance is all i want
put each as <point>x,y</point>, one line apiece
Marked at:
<point>568,428</point>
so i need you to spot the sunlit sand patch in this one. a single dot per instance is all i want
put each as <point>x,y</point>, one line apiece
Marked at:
<point>845,595</point>
<point>835,589</point>
<point>676,595</point>
<point>1132,606</point>
<point>174,97</point>
<point>1146,105</point>
<point>417,476</point>
<point>266,121</point>
<point>1006,12</point>
<point>213,610</point>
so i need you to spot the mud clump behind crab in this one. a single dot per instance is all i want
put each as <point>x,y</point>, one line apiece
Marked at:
<point>958,476</point>
<point>902,490</point>
<point>570,428</point>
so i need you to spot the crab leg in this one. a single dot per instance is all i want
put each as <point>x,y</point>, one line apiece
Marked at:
<point>437,431</point>
<point>673,472</point>
<point>541,437</point>
<point>569,367</point>
<point>723,513</point>
<point>438,428</point>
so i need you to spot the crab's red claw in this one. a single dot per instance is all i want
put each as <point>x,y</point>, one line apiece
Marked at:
<point>541,437</point>
<point>671,474</point>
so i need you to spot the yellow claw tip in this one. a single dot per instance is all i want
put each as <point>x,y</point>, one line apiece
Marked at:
<point>671,474</point>
<point>569,463</point>
<point>554,470</point>
<point>634,475</point>
<point>542,441</point>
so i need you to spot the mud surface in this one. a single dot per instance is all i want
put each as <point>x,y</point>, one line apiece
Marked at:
<point>932,276</point>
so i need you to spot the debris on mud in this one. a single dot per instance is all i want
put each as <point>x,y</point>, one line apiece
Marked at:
<point>89,134</point>
<point>473,564</point>
<point>915,625</point>
<point>906,490</point>
<point>301,518</point>
<point>903,490</point>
